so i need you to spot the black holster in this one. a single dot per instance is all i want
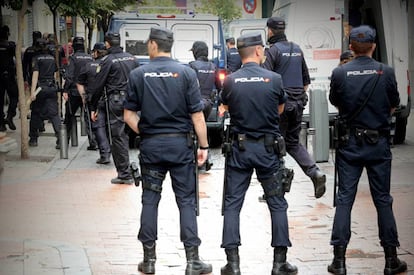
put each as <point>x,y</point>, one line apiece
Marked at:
<point>341,132</point>
<point>276,144</point>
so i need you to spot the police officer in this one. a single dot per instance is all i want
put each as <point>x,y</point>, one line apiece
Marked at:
<point>44,104</point>
<point>87,77</point>
<point>28,55</point>
<point>27,63</point>
<point>71,95</point>
<point>254,98</point>
<point>208,80</point>
<point>366,145</point>
<point>168,96</point>
<point>233,58</point>
<point>112,75</point>
<point>286,58</point>
<point>7,79</point>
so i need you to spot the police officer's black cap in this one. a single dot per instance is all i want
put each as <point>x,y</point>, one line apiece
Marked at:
<point>159,33</point>
<point>230,40</point>
<point>363,34</point>
<point>99,46</point>
<point>276,23</point>
<point>114,39</point>
<point>248,40</point>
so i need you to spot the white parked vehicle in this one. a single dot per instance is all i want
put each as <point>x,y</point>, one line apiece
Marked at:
<point>320,27</point>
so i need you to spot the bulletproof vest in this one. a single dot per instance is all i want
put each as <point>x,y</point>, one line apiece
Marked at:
<point>7,52</point>
<point>233,60</point>
<point>80,59</point>
<point>206,74</point>
<point>290,66</point>
<point>47,67</point>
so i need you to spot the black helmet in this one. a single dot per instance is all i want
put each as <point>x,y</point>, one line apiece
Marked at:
<point>78,40</point>
<point>99,46</point>
<point>36,35</point>
<point>78,44</point>
<point>114,39</point>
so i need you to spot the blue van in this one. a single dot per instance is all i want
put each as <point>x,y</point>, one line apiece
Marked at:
<point>134,30</point>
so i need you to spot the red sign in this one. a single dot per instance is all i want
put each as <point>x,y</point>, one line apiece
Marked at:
<point>249,6</point>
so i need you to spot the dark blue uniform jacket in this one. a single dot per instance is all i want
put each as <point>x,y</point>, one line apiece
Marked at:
<point>112,74</point>
<point>253,95</point>
<point>348,81</point>
<point>166,93</point>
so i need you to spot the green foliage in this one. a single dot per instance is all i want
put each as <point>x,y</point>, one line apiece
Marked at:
<point>14,4</point>
<point>227,10</point>
<point>158,6</point>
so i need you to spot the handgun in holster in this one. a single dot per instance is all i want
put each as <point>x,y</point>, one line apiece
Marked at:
<point>136,175</point>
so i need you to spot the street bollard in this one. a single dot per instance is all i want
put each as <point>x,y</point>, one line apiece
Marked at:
<point>83,122</point>
<point>311,133</point>
<point>63,141</point>
<point>74,133</point>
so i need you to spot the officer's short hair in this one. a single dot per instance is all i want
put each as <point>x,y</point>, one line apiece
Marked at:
<point>114,39</point>
<point>231,41</point>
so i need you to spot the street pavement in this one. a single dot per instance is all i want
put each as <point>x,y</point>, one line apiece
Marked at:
<point>63,216</point>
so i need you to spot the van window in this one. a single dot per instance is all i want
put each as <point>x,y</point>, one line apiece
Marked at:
<point>135,37</point>
<point>186,34</point>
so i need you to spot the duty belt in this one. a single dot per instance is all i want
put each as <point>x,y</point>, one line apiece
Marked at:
<point>357,130</point>
<point>164,135</point>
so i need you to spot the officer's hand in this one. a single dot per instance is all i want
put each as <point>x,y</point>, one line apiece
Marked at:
<point>201,156</point>
<point>32,96</point>
<point>65,96</point>
<point>94,116</point>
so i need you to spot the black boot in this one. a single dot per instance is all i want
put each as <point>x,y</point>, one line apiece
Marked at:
<point>233,262</point>
<point>147,266</point>
<point>194,265</point>
<point>338,266</point>
<point>280,265</point>
<point>393,265</point>
<point>319,180</point>
<point>9,121</point>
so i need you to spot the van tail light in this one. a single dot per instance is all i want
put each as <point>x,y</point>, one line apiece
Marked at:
<point>408,83</point>
<point>222,75</point>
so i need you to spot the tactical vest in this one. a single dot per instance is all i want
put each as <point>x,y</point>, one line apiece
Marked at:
<point>290,66</point>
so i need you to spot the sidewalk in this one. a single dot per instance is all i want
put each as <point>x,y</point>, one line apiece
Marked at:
<point>62,216</point>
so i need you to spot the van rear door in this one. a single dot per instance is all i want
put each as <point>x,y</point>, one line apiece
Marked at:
<point>185,33</point>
